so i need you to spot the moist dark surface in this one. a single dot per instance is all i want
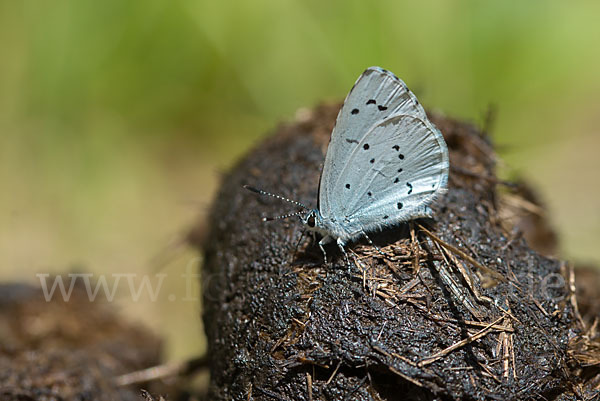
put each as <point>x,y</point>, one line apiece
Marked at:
<point>56,350</point>
<point>459,307</point>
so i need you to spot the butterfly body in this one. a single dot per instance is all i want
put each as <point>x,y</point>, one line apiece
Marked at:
<point>385,163</point>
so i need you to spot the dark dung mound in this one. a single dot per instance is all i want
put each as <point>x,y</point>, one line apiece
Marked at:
<point>460,307</point>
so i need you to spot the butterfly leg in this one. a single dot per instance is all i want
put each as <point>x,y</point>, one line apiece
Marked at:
<point>325,240</point>
<point>341,244</point>
<point>364,234</point>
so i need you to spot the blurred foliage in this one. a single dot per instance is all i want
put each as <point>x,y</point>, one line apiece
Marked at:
<point>116,115</point>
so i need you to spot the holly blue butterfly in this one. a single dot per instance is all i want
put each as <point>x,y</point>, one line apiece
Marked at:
<point>385,164</point>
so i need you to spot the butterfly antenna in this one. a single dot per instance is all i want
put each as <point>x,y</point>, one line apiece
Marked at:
<point>285,216</point>
<point>261,192</point>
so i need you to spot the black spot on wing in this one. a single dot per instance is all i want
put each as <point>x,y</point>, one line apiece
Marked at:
<point>347,186</point>
<point>355,111</point>
<point>399,205</point>
<point>382,108</point>
<point>410,187</point>
<point>372,161</point>
<point>371,101</point>
<point>351,141</point>
<point>366,146</point>
<point>396,147</point>
<point>401,156</point>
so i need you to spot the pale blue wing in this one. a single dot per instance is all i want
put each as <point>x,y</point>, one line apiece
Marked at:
<point>377,94</point>
<point>392,175</point>
<point>386,162</point>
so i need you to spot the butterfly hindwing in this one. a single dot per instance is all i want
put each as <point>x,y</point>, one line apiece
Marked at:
<point>400,173</point>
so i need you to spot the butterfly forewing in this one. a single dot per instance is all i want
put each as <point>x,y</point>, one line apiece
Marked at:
<point>386,162</point>
<point>377,94</point>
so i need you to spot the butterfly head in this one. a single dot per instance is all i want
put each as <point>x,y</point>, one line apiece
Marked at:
<point>312,220</point>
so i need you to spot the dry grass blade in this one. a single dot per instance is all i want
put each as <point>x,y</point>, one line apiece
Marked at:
<point>467,277</point>
<point>462,254</point>
<point>414,244</point>
<point>405,377</point>
<point>570,273</point>
<point>586,348</point>
<point>455,289</point>
<point>480,334</point>
<point>334,372</point>
<point>161,371</point>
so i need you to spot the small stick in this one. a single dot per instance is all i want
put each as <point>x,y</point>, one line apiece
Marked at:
<point>161,371</point>
<point>463,255</point>
<point>405,377</point>
<point>573,291</point>
<point>334,372</point>
<point>460,295</point>
<point>498,327</point>
<point>415,250</point>
<point>465,274</point>
<point>480,334</point>
<point>488,372</point>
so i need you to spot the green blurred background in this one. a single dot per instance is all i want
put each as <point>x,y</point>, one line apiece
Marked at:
<point>116,117</point>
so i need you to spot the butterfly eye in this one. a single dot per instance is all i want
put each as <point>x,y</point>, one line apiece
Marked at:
<point>311,221</point>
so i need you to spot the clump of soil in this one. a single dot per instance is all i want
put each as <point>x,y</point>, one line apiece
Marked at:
<point>457,307</point>
<point>75,350</point>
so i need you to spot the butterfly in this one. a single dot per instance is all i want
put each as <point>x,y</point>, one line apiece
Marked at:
<point>385,164</point>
